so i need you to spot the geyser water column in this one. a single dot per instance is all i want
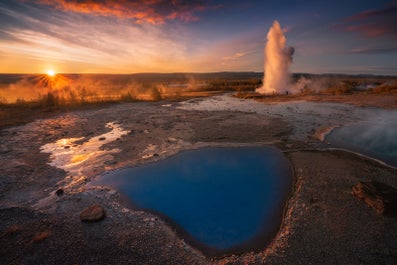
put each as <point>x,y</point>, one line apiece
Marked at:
<point>278,58</point>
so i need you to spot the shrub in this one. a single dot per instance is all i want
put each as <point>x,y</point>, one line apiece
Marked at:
<point>307,91</point>
<point>50,100</point>
<point>155,94</point>
<point>3,101</point>
<point>386,87</point>
<point>129,96</point>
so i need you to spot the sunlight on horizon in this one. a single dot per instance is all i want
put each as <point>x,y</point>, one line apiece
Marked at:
<point>51,72</point>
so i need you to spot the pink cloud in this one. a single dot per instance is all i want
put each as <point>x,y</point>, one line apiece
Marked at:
<point>149,11</point>
<point>370,29</point>
<point>372,23</point>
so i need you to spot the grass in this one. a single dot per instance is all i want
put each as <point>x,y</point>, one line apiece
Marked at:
<point>23,112</point>
<point>92,91</point>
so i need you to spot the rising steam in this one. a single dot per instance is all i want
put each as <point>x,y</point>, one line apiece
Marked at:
<point>278,58</point>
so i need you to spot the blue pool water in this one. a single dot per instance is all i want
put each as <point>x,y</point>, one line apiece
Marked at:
<point>220,199</point>
<point>377,140</point>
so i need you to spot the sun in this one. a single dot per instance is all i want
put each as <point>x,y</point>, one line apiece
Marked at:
<point>51,72</point>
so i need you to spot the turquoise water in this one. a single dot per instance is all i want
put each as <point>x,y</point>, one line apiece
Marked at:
<point>219,199</point>
<point>377,140</point>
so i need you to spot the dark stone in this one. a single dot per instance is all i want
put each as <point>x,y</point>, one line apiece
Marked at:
<point>93,213</point>
<point>102,138</point>
<point>381,197</point>
<point>59,192</point>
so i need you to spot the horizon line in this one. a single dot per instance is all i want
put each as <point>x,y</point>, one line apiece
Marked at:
<point>214,72</point>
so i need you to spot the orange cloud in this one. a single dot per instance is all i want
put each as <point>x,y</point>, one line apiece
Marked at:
<point>149,11</point>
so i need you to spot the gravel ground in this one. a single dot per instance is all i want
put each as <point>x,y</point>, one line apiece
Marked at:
<point>323,222</point>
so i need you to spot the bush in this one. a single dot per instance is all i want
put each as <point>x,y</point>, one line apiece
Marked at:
<point>129,96</point>
<point>155,94</point>
<point>3,101</point>
<point>50,100</point>
<point>387,87</point>
<point>307,91</point>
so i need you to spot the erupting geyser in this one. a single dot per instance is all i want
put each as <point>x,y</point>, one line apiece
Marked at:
<point>278,58</point>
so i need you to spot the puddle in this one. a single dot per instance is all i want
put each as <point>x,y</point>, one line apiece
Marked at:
<point>221,200</point>
<point>76,155</point>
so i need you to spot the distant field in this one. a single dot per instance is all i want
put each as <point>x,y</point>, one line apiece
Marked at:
<point>82,88</point>
<point>66,89</point>
<point>24,97</point>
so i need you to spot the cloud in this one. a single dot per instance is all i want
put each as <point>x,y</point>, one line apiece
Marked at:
<point>372,23</point>
<point>373,69</point>
<point>73,41</point>
<point>149,11</point>
<point>368,50</point>
<point>237,55</point>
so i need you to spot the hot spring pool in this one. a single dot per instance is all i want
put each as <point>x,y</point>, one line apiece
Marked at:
<point>377,140</point>
<point>221,200</point>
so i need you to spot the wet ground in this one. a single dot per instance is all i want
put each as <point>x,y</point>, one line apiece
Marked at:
<point>323,222</point>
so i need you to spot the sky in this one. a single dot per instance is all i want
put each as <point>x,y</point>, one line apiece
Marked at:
<point>130,36</point>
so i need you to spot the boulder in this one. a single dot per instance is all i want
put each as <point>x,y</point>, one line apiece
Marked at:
<point>381,197</point>
<point>93,213</point>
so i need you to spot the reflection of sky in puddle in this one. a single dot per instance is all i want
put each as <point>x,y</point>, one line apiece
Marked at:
<point>75,155</point>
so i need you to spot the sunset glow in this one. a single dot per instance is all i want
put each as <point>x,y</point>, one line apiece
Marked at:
<point>198,132</point>
<point>194,36</point>
<point>51,73</point>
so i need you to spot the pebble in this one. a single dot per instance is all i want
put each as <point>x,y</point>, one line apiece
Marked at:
<point>93,213</point>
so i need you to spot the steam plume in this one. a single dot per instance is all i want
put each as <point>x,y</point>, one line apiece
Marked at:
<point>278,58</point>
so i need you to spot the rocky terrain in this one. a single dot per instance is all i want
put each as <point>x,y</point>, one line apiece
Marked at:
<point>47,165</point>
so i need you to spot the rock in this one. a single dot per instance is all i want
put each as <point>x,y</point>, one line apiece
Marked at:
<point>381,197</point>
<point>59,192</point>
<point>93,213</point>
<point>38,237</point>
<point>102,138</point>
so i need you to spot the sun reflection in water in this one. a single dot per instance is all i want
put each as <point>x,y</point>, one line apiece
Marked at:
<point>76,158</point>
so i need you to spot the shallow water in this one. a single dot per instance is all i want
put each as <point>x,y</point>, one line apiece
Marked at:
<point>76,155</point>
<point>369,131</point>
<point>377,140</point>
<point>220,199</point>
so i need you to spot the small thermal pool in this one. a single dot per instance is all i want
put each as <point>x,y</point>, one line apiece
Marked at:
<point>377,140</point>
<point>221,200</point>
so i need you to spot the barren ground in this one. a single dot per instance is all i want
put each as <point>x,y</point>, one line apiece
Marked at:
<point>323,224</point>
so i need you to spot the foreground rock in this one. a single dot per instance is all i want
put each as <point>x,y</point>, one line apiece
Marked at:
<point>93,213</point>
<point>381,197</point>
